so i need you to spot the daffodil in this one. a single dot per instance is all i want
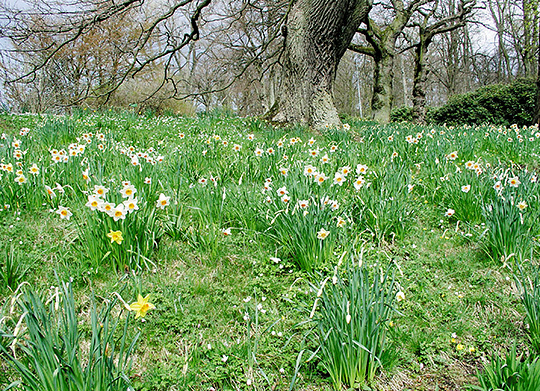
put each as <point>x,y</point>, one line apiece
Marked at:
<point>522,205</point>
<point>131,205</point>
<point>93,202</point>
<point>339,179</point>
<point>141,306</point>
<point>452,155</point>
<point>282,191</point>
<point>50,191</point>
<point>320,178</point>
<point>359,182</point>
<point>119,212</point>
<point>115,236</point>
<point>345,170</point>
<point>163,200</point>
<point>323,234</point>
<point>21,179</point>
<point>303,204</point>
<point>310,171</point>
<point>361,169</point>
<point>100,191</point>
<point>64,213</point>
<point>34,170</point>
<point>400,296</point>
<point>128,191</point>
<point>514,182</point>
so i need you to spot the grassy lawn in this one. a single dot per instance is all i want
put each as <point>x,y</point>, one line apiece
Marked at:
<point>240,232</point>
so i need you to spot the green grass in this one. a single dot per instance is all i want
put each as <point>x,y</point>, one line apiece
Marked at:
<point>232,310</point>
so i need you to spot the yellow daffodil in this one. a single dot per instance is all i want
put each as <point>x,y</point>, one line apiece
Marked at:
<point>141,306</point>
<point>115,236</point>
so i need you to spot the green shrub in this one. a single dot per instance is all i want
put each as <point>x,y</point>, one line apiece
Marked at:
<point>498,104</point>
<point>402,114</point>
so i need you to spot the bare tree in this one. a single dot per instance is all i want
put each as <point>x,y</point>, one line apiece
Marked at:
<point>430,23</point>
<point>61,27</point>
<point>382,38</point>
<point>516,25</point>
<point>499,10</point>
<point>452,62</point>
<point>529,29</point>
<point>87,64</point>
<point>312,36</point>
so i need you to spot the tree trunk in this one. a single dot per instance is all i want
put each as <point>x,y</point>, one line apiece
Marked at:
<point>383,74</point>
<point>419,82</point>
<point>537,111</point>
<point>317,34</point>
<point>403,79</point>
<point>530,31</point>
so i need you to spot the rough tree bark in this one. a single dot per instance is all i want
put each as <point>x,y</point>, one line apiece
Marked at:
<point>382,51</point>
<point>537,111</point>
<point>383,98</point>
<point>530,31</point>
<point>317,34</point>
<point>421,73</point>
